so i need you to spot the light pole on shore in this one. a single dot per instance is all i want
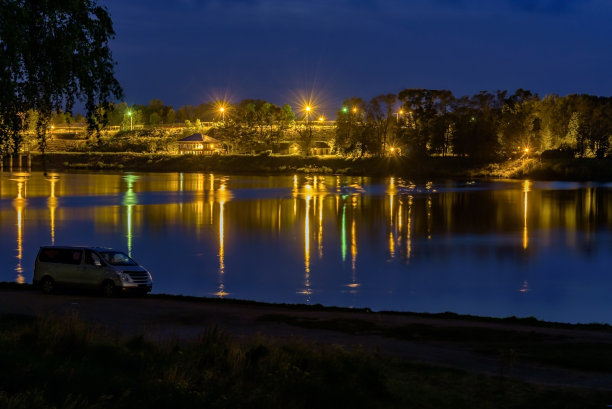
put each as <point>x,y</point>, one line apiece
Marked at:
<point>129,113</point>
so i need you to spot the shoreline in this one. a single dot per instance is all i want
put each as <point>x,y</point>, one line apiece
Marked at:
<point>424,169</point>
<point>509,320</point>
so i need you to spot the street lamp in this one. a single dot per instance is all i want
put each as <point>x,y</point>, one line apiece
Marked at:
<point>222,110</point>
<point>398,113</point>
<point>129,113</point>
<point>307,112</point>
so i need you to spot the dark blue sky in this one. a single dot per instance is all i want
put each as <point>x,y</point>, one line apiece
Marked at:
<point>192,51</point>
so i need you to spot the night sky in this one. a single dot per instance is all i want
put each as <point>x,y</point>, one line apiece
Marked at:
<point>193,51</point>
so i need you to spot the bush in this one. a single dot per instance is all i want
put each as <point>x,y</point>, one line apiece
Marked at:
<point>139,141</point>
<point>560,153</point>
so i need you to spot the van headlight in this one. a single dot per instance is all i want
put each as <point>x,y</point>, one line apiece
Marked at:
<point>124,277</point>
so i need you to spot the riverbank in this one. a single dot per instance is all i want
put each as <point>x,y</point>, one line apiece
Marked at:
<point>425,169</point>
<point>88,351</point>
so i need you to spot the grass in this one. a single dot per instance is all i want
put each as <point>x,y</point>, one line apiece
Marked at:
<point>529,346</point>
<point>50,362</point>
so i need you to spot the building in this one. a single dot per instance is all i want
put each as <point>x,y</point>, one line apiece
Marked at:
<point>198,144</point>
<point>320,148</point>
<point>287,148</point>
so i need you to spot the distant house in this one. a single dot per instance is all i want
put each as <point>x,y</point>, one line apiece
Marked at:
<point>287,148</point>
<point>198,144</point>
<point>321,148</point>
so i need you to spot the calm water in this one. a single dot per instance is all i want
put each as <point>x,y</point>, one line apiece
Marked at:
<point>502,248</point>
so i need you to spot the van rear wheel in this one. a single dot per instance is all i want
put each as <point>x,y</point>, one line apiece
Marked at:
<point>47,285</point>
<point>108,289</point>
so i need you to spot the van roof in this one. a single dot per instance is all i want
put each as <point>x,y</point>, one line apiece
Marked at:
<point>79,248</point>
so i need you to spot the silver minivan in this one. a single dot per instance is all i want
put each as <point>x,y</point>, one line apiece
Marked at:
<point>110,271</point>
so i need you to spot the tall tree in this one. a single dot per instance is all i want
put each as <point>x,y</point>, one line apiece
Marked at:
<point>350,126</point>
<point>52,54</point>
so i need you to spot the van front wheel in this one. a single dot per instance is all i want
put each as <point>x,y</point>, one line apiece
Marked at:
<point>108,289</point>
<point>47,285</point>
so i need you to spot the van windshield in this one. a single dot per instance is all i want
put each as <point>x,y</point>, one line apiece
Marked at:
<point>117,258</point>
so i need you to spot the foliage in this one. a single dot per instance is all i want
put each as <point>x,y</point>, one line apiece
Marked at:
<point>253,125</point>
<point>52,54</point>
<point>141,141</point>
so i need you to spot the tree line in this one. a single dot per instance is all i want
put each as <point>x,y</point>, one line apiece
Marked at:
<point>487,125</point>
<point>416,122</point>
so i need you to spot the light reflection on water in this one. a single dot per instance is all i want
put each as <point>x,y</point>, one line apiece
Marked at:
<point>499,248</point>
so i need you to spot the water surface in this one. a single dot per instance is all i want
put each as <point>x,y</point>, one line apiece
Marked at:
<point>503,248</point>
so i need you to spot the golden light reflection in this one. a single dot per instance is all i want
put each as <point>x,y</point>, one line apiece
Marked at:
<point>129,201</point>
<point>526,189</point>
<point>294,193</point>
<point>221,289</point>
<point>211,198</point>
<point>307,291</point>
<point>409,230</point>
<point>429,217</point>
<point>20,202</point>
<point>223,195</point>
<point>52,203</point>
<point>320,236</point>
<point>343,234</point>
<point>391,191</point>
<point>19,205</point>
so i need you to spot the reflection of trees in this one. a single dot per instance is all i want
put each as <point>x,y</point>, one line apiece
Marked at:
<point>396,220</point>
<point>410,217</point>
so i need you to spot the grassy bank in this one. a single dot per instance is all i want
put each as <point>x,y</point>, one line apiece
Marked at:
<point>425,169</point>
<point>49,362</point>
<point>436,168</point>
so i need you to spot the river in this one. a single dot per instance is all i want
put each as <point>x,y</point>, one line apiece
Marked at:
<point>499,248</point>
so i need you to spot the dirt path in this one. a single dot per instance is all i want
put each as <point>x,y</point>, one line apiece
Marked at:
<point>457,343</point>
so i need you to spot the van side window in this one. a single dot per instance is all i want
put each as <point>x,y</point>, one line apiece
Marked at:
<point>64,256</point>
<point>92,258</point>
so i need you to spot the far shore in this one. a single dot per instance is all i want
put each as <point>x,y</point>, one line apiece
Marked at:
<point>422,169</point>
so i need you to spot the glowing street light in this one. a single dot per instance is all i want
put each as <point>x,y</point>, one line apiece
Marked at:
<point>344,110</point>
<point>307,112</point>
<point>222,110</point>
<point>129,113</point>
<point>354,110</point>
<point>321,119</point>
<point>398,113</point>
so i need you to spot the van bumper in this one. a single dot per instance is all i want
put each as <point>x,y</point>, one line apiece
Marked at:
<point>136,288</point>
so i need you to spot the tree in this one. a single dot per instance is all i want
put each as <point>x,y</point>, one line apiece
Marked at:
<point>350,126</point>
<point>282,118</point>
<point>379,115</point>
<point>52,54</point>
<point>155,119</point>
<point>170,116</point>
